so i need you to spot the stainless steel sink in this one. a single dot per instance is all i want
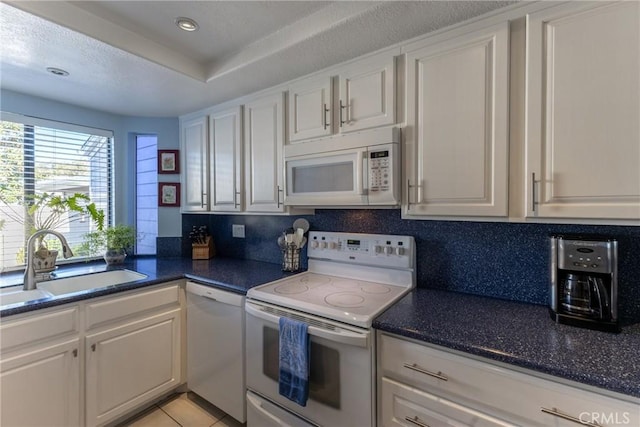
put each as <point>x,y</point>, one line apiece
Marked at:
<point>87,282</point>
<point>16,294</point>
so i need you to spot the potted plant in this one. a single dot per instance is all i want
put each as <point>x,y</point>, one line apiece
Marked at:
<point>115,241</point>
<point>49,211</point>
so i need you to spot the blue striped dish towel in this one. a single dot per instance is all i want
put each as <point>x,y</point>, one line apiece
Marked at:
<point>294,361</point>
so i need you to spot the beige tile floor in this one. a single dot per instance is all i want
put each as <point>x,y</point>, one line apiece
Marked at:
<point>182,410</point>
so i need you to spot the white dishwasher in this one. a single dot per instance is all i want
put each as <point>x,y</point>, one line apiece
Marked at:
<point>215,347</point>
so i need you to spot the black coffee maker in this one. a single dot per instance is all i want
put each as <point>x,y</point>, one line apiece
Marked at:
<point>584,282</point>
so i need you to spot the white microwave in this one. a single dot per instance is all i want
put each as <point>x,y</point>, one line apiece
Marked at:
<point>355,170</point>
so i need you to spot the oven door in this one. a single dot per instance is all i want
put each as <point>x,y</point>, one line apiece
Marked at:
<point>337,178</point>
<point>341,373</point>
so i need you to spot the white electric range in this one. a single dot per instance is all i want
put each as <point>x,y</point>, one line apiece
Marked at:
<point>351,279</point>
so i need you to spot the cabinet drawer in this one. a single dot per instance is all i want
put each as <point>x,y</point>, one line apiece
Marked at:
<point>117,308</point>
<point>444,373</point>
<point>37,327</point>
<point>406,406</point>
<point>493,389</point>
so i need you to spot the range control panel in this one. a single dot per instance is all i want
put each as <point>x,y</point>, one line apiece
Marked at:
<point>372,249</point>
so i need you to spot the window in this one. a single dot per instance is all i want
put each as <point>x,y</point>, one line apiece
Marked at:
<point>146,193</point>
<point>43,158</point>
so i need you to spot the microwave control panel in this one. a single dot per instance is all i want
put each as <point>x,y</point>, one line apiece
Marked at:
<point>383,177</point>
<point>375,249</point>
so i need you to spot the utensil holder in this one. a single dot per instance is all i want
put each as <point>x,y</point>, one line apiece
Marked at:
<point>203,250</point>
<point>290,258</point>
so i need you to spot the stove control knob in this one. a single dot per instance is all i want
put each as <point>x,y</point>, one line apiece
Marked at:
<point>400,250</point>
<point>314,244</point>
<point>377,249</point>
<point>388,250</point>
<point>332,245</point>
<point>323,245</point>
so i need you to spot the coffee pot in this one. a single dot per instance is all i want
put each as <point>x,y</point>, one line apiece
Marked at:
<point>583,289</point>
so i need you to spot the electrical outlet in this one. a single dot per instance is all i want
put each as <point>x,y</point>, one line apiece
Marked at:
<point>237,230</point>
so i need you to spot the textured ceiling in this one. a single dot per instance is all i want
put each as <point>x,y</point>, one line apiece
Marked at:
<point>129,58</point>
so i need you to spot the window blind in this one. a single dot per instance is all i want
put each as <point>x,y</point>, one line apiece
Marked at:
<point>41,157</point>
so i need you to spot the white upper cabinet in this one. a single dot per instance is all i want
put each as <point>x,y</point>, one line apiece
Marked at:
<point>263,150</point>
<point>225,160</point>
<point>310,107</point>
<point>367,94</point>
<point>366,98</point>
<point>194,165</point>
<point>583,111</point>
<point>456,139</point>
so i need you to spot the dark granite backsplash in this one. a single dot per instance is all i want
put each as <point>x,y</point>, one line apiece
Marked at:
<point>503,260</point>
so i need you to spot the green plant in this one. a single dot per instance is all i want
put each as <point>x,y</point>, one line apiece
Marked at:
<point>118,237</point>
<point>47,210</point>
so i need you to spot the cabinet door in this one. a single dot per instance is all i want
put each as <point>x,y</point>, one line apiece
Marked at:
<point>130,365</point>
<point>583,105</point>
<point>263,145</point>
<point>41,387</point>
<point>194,165</point>
<point>310,109</point>
<point>367,94</point>
<point>457,135</point>
<point>225,170</point>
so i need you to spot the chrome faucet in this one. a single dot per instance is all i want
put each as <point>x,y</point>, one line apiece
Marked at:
<point>30,271</point>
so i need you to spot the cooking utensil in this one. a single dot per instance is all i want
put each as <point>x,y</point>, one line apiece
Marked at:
<point>301,223</point>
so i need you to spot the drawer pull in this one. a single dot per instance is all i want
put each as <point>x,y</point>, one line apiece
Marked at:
<point>556,413</point>
<point>415,420</point>
<point>417,368</point>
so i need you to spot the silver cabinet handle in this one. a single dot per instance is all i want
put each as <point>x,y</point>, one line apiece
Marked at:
<point>93,347</point>
<point>202,199</point>
<point>324,118</point>
<point>280,190</point>
<point>235,199</point>
<point>408,194</point>
<point>556,413</point>
<point>415,367</point>
<point>75,352</point>
<point>415,420</point>
<point>342,107</point>
<point>533,192</point>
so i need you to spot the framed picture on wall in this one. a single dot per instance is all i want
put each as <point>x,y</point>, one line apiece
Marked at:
<point>169,194</point>
<point>168,161</point>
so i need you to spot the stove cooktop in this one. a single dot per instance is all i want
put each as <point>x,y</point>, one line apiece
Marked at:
<point>351,301</point>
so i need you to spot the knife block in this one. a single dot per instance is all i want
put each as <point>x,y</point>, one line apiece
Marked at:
<point>203,250</point>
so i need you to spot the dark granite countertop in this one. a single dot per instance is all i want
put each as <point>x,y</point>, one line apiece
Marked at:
<point>518,334</point>
<point>230,274</point>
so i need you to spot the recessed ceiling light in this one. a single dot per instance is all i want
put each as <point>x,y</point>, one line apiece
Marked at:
<point>57,71</point>
<point>186,24</point>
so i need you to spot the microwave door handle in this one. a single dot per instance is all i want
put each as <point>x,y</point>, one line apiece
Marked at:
<point>340,335</point>
<point>361,178</point>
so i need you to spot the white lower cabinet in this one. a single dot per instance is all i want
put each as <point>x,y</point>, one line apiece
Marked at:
<point>126,350</point>
<point>421,385</point>
<point>131,364</point>
<point>40,369</point>
<point>40,386</point>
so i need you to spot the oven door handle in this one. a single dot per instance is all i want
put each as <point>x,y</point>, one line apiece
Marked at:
<point>337,334</point>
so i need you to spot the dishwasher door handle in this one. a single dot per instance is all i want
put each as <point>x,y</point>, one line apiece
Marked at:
<point>214,294</point>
